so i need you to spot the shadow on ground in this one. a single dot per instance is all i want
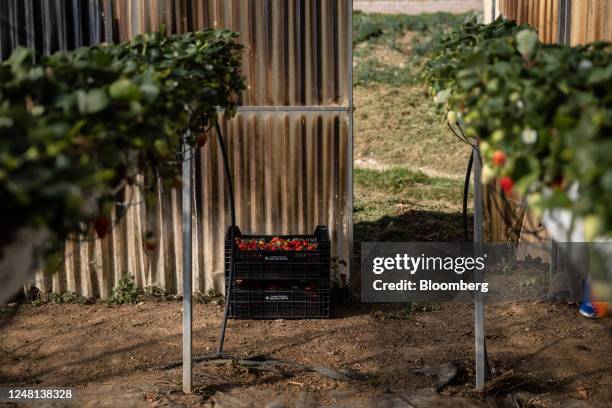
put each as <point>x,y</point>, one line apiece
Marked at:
<point>414,226</point>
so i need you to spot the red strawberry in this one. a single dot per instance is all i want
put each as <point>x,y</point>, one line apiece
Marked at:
<point>310,286</point>
<point>177,183</point>
<point>150,241</point>
<point>499,158</point>
<point>202,140</point>
<point>102,224</point>
<point>506,184</point>
<point>558,182</point>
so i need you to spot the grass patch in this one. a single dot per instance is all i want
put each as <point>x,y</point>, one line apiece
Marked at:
<point>399,126</point>
<point>372,70</point>
<point>407,184</point>
<point>396,122</point>
<point>396,178</point>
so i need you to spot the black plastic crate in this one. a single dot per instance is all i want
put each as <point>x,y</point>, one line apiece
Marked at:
<point>284,304</point>
<point>279,284</point>
<point>264,264</point>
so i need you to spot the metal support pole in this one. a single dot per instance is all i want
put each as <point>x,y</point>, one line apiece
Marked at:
<point>350,153</point>
<point>554,260</point>
<point>565,19</point>
<point>493,10</point>
<point>479,331</point>
<point>186,218</point>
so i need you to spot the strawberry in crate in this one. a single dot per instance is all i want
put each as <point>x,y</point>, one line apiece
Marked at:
<point>275,244</point>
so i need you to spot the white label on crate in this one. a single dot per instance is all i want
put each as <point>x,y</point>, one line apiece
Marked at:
<point>276,298</point>
<point>277,258</point>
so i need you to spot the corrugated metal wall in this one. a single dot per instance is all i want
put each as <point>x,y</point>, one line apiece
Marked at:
<point>290,144</point>
<point>543,15</point>
<point>591,20</point>
<point>587,20</point>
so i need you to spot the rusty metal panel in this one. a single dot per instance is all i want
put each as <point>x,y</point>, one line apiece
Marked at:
<point>290,146</point>
<point>296,52</point>
<point>290,172</point>
<point>48,26</point>
<point>591,20</point>
<point>577,21</point>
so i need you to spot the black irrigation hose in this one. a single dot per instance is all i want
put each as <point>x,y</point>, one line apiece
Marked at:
<point>230,186</point>
<point>466,190</point>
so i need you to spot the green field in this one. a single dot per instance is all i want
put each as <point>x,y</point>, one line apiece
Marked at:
<point>408,169</point>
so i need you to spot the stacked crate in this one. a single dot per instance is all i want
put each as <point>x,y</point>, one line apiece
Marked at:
<point>278,284</point>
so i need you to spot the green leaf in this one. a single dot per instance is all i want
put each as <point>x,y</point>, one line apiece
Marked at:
<point>526,42</point>
<point>18,58</point>
<point>475,60</point>
<point>558,199</point>
<point>442,96</point>
<point>149,91</point>
<point>600,75</point>
<point>468,78</point>
<point>92,101</point>
<point>6,122</point>
<point>125,90</point>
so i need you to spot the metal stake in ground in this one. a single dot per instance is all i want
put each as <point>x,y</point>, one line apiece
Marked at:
<point>481,356</point>
<point>186,218</point>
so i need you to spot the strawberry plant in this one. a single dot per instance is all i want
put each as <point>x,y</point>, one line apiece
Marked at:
<point>541,114</point>
<point>79,126</point>
<point>441,70</point>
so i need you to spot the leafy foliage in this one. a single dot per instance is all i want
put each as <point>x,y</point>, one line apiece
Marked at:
<point>42,298</point>
<point>125,292</point>
<point>542,113</point>
<point>441,70</point>
<point>80,125</point>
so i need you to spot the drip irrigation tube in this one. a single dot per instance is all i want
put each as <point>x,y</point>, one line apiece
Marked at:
<point>230,186</point>
<point>466,190</point>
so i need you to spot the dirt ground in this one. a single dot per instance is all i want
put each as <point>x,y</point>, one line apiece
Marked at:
<point>542,355</point>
